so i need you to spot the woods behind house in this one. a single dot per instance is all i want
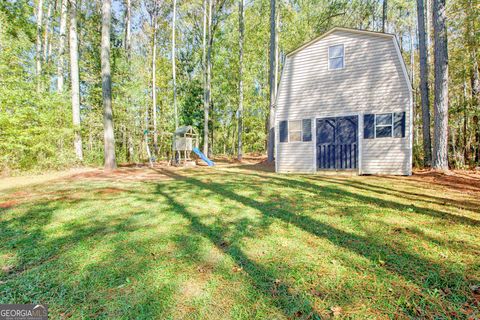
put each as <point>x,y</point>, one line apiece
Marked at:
<point>106,82</point>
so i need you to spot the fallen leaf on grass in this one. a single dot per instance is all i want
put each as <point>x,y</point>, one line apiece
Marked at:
<point>316,293</point>
<point>467,310</point>
<point>337,311</point>
<point>7,269</point>
<point>65,315</point>
<point>475,288</point>
<point>446,291</point>
<point>237,269</point>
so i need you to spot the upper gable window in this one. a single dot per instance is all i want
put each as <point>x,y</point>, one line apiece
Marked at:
<point>336,55</point>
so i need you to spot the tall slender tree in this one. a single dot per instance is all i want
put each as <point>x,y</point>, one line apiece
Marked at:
<point>384,15</point>
<point>272,84</point>
<point>75,79</point>
<point>61,45</point>
<point>174,75</point>
<point>424,89</point>
<point>208,62</point>
<point>127,43</point>
<point>46,38</point>
<point>204,71</point>
<point>241,29</point>
<point>38,45</point>
<point>429,29</point>
<point>277,51</point>
<point>440,147</point>
<point>154,76</point>
<point>109,139</point>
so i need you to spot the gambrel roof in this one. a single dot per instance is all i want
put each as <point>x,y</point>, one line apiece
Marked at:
<point>372,33</point>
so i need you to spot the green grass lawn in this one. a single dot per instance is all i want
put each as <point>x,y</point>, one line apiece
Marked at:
<point>240,243</point>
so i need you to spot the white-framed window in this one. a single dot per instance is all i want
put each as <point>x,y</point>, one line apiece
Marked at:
<point>336,57</point>
<point>384,125</point>
<point>295,131</point>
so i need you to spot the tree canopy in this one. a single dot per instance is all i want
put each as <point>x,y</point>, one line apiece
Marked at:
<point>36,127</point>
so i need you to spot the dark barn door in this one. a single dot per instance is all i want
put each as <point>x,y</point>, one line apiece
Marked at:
<point>337,143</point>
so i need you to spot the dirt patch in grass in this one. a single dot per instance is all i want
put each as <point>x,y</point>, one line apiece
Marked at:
<point>111,191</point>
<point>126,173</point>
<point>459,180</point>
<point>9,183</point>
<point>247,159</point>
<point>8,204</point>
<point>465,181</point>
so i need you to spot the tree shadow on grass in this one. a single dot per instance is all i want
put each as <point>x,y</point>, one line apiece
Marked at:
<point>46,269</point>
<point>423,272</point>
<point>459,204</point>
<point>264,279</point>
<point>311,187</point>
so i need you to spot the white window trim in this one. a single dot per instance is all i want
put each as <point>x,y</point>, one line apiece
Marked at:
<point>383,125</point>
<point>301,131</point>
<point>343,57</point>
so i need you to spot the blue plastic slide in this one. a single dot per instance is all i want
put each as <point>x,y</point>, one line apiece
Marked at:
<point>203,157</point>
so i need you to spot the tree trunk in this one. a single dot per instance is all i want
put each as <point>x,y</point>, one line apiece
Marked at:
<point>424,89</point>
<point>109,139</point>
<point>75,79</point>
<point>271,116</point>
<point>46,44</point>
<point>204,67</point>
<point>207,101</point>
<point>466,145</point>
<point>38,47</point>
<point>412,59</point>
<point>128,27</point>
<point>384,15</point>
<point>127,47</point>
<point>154,80</point>
<point>429,30</point>
<point>174,77</point>
<point>61,45</point>
<point>277,51</point>
<point>475,83</point>
<point>475,80</point>
<point>440,148</point>
<point>241,28</point>
<point>147,147</point>
<point>476,133</point>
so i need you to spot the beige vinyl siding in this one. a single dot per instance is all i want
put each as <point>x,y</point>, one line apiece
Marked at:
<point>295,156</point>
<point>386,155</point>
<point>372,81</point>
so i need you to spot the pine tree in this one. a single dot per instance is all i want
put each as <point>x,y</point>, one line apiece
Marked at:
<point>424,89</point>
<point>75,79</point>
<point>109,139</point>
<point>440,147</point>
